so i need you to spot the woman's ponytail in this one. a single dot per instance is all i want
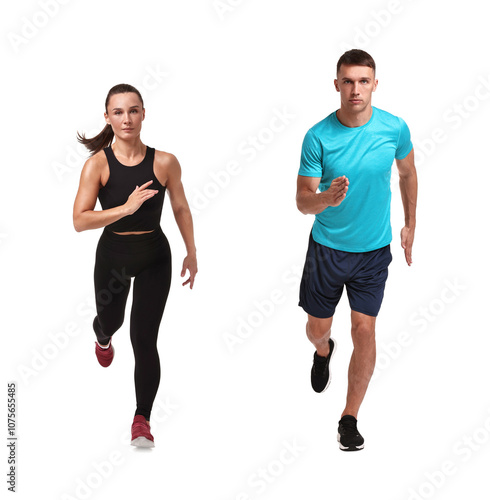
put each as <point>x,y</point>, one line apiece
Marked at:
<point>99,142</point>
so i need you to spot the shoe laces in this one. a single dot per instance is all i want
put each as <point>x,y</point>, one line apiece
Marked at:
<point>350,426</point>
<point>104,349</point>
<point>320,363</point>
<point>140,426</point>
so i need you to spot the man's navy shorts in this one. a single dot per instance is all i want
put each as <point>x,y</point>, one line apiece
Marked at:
<point>326,272</point>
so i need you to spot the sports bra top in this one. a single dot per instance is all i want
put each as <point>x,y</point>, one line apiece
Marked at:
<point>122,182</point>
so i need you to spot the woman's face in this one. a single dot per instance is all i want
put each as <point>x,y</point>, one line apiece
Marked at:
<point>126,114</point>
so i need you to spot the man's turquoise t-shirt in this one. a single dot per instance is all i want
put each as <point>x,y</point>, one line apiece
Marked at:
<point>365,155</point>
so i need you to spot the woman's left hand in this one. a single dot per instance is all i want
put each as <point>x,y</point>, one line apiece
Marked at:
<point>190,263</point>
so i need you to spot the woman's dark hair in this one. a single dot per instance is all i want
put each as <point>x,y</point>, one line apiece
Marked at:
<point>357,57</point>
<point>104,139</point>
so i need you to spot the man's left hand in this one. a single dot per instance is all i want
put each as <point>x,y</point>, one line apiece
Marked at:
<point>407,234</point>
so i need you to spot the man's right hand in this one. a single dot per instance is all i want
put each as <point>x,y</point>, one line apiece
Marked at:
<point>139,196</point>
<point>337,191</point>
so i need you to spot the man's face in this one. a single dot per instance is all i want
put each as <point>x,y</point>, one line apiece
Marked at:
<point>355,84</point>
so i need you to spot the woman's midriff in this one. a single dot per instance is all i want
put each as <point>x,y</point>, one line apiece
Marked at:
<point>135,232</point>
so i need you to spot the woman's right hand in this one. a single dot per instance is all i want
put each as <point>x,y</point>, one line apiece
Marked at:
<point>139,196</point>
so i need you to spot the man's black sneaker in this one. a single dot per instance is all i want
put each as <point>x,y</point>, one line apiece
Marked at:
<point>320,372</point>
<point>348,436</point>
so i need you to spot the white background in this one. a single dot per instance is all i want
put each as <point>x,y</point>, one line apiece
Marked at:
<point>224,414</point>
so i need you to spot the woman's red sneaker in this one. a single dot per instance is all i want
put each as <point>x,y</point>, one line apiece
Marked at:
<point>140,433</point>
<point>104,356</point>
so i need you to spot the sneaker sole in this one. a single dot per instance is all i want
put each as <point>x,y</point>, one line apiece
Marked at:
<point>349,448</point>
<point>142,442</point>
<point>329,370</point>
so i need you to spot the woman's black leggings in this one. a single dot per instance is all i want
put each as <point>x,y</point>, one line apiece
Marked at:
<point>147,258</point>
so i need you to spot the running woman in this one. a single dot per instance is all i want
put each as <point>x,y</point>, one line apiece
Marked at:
<point>131,179</point>
<point>348,157</point>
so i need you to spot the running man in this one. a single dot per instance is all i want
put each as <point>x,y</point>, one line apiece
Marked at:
<point>348,158</point>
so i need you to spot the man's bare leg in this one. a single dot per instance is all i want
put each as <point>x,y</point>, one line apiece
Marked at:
<point>362,362</point>
<point>318,332</point>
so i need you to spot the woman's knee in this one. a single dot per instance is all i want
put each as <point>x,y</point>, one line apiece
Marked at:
<point>107,326</point>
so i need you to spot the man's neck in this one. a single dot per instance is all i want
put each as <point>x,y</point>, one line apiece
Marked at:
<point>354,119</point>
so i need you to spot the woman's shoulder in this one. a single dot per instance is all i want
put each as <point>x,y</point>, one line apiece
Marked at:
<point>165,159</point>
<point>98,158</point>
<point>166,167</point>
<point>164,156</point>
<point>96,162</point>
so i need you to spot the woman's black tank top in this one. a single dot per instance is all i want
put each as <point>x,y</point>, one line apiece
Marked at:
<point>122,182</point>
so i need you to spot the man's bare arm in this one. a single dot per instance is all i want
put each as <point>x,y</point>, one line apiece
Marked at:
<point>408,190</point>
<point>309,201</point>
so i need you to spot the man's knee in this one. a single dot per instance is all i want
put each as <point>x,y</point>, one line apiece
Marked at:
<point>318,328</point>
<point>363,329</point>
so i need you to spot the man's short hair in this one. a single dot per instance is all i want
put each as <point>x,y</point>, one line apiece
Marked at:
<point>357,57</point>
